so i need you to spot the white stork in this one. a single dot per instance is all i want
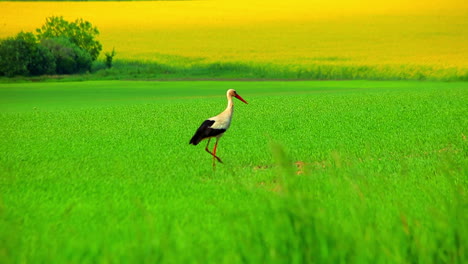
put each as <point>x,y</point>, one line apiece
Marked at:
<point>216,126</point>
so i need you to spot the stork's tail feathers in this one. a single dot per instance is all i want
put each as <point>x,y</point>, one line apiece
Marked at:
<point>197,138</point>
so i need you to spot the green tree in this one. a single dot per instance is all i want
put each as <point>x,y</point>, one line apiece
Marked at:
<point>22,55</point>
<point>81,32</point>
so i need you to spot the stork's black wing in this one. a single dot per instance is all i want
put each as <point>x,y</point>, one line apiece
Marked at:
<point>205,131</point>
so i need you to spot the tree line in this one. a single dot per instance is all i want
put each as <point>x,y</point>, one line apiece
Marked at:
<point>58,47</point>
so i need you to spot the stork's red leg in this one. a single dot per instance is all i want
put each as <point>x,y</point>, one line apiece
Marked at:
<point>206,148</point>
<point>214,151</point>
<point>213,154</point>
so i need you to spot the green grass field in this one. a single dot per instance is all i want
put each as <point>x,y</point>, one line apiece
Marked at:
<point>315,172</point>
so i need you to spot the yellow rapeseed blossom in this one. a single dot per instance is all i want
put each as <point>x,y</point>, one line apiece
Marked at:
<point>295,33</point>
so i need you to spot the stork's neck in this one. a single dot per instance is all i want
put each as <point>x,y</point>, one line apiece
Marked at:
<point>230,105</point>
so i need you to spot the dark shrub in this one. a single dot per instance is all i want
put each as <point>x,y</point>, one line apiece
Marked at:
<point>22,55</point>
<point>109,58</point>
<point>69,58</point>
<point>43,62</point>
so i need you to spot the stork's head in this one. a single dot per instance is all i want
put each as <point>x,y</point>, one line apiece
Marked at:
<point>233,93</point>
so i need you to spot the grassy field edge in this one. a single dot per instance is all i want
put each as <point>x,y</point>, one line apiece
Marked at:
<point>144,70</point>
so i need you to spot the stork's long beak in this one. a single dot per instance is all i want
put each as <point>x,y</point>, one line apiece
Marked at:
<point>240,98</point>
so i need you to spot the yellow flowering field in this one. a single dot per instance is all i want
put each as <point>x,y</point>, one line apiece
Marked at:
<point>296,34</point>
